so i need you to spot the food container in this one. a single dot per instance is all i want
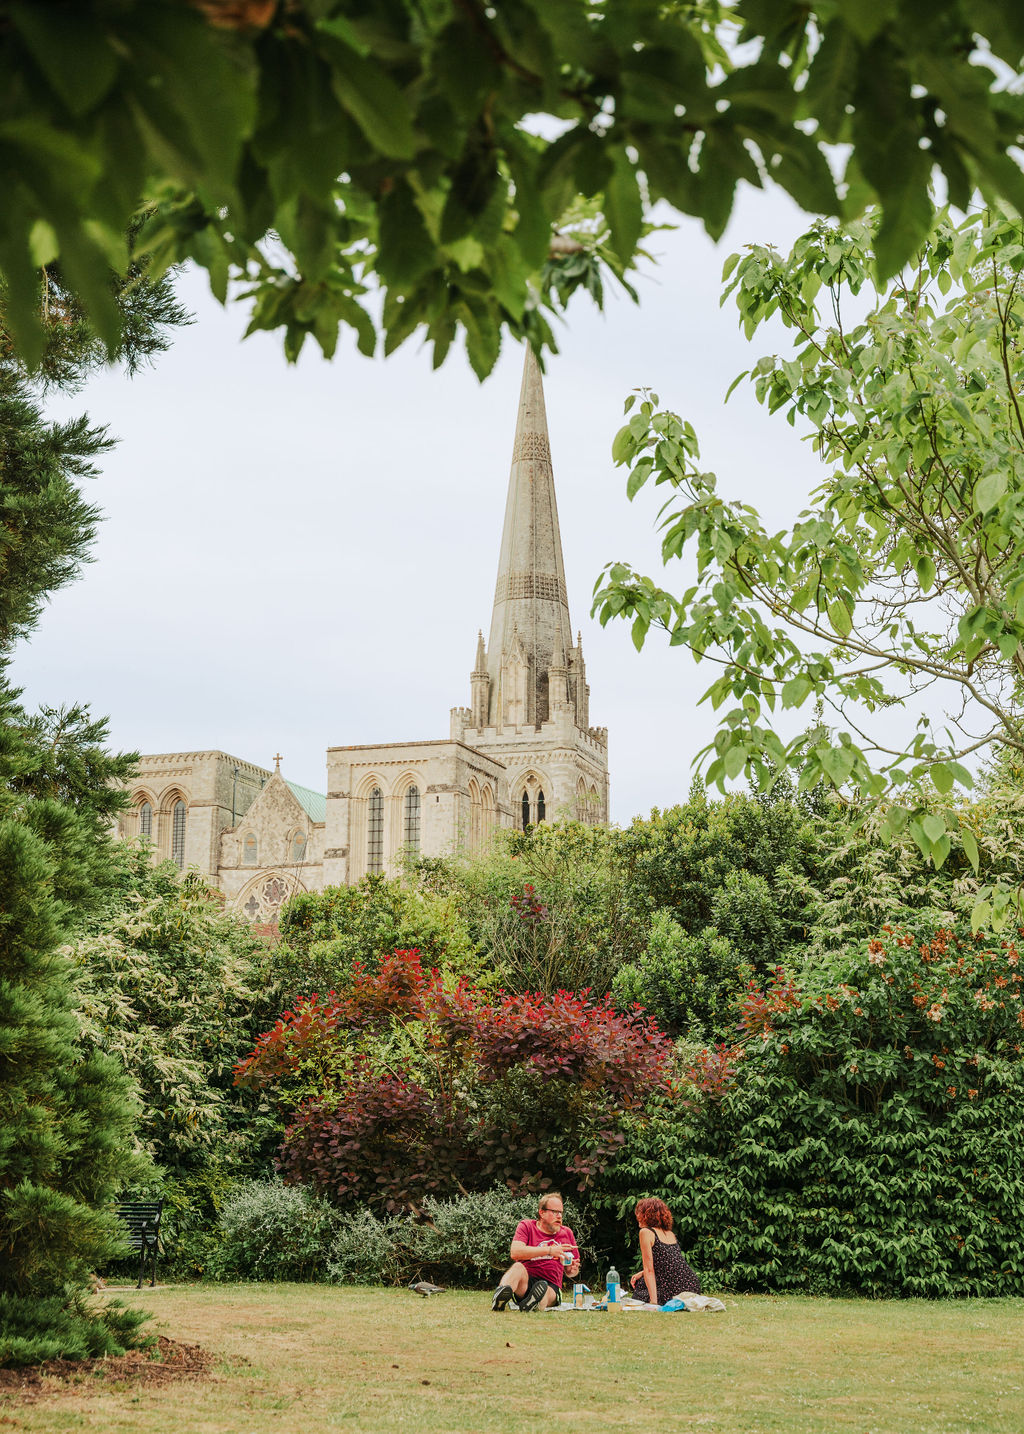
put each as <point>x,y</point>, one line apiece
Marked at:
<point>567,1257</point>
<point>579,1297</point>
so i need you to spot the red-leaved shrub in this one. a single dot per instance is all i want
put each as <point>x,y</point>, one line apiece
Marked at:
<point>524,1089</point>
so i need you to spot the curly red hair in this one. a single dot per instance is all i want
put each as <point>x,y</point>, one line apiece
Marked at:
<point>653,1214</point>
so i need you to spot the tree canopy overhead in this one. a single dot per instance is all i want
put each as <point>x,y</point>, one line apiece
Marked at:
<point>433,148</point>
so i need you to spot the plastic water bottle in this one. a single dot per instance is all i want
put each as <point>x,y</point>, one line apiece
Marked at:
<point>612,1286</point>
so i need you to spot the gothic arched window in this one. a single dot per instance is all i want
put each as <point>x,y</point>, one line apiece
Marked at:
<point>540,806</point>
<point>375,833</point>
<point>178,818</point>
<point>411,820</point>
<point>146,821</point>
<point>526,809</point>
<point>250,851</point>
<point>299,846</point>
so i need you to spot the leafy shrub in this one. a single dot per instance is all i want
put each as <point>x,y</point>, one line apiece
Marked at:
<point>273,1231</point>
<point>865,1134</point>
<point>367,1251</point>
<point>525,1089</point>
<point>324,934</point>
<point>546,906</point>
<point>470,1236</point>
<point>748,912</point>
<point>176,990</point>
<point>464,1240</point>
<point>691,859</point>
<point>688,983</point>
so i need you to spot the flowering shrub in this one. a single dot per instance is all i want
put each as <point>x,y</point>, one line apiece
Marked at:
<point>523,1089</point>
<point>865,1133</point>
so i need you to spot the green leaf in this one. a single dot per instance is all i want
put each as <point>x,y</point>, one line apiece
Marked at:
<point>735,760</point>
<point>623,207</point>
<point>72,51</point>
<point>638,477</point>
<point>622,446</point>
<point>933,826</point>
<point>837,763</point>
<point>925,570</point>
<point>372,98</point>
<point>988,491</point>
<point>839,616</point>
<point>406,249</point>
<point>795,690</point>
<point>941,776</point>
<point>970,846</point>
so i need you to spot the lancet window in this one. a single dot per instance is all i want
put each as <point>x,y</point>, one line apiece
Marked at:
<point>178,820</point>
<point>375,833</point>
<point>146,821</point>
<point>411,820</point>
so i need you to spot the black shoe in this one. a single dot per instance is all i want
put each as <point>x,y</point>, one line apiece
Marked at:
<point>538,1289</point>
<point>502,1295</point>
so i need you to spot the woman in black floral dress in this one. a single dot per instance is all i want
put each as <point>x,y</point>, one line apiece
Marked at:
<point>665,1273</point>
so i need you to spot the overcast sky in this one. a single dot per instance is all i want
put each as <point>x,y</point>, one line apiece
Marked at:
<point>296,557</point>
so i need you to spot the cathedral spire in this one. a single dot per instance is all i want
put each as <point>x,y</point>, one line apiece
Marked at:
<point>530,598</point>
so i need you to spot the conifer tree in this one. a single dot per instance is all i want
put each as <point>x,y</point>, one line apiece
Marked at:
<point>67,1113</point>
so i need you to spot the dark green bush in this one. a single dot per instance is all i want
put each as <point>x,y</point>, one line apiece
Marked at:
<point>69,1326</point>
<point>688,983</point>
<point>324,932</point>
<point>865,1137</point>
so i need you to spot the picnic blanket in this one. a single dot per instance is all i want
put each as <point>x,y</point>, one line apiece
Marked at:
<point>691,1303</point>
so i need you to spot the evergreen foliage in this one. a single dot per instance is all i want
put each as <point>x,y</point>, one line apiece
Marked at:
<point>68,1116</point>
<point>546,906</point>
<point>687,983</point>
<point>68,1110</point>
<point>325,932</point>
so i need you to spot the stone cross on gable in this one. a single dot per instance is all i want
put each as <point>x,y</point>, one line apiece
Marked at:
<point>277,763</point>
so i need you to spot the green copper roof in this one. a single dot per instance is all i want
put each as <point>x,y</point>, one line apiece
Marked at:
<point>312,803</point>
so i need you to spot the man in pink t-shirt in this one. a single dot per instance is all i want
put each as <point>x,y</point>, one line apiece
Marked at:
<point>534,1279</point>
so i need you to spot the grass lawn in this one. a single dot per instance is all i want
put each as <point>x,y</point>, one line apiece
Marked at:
<point>308,1358</point>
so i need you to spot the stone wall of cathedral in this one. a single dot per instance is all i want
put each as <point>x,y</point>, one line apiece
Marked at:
<point>275,851</point>
<point>426,798</point>
<point>182,801</point>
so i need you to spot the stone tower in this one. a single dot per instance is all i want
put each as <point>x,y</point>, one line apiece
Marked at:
<point>530,703</point>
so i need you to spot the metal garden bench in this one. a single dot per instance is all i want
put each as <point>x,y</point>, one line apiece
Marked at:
<point>141,1219</point>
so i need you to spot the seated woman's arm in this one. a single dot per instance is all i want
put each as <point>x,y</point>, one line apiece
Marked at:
<point>647,1238</point>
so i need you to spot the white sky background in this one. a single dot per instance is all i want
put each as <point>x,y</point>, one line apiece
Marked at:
<point>296,557</point>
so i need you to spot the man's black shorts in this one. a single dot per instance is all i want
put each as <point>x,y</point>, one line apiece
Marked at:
<point>536,1280</point>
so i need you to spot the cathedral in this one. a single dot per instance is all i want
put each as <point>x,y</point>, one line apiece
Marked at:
<point>522,751</point>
